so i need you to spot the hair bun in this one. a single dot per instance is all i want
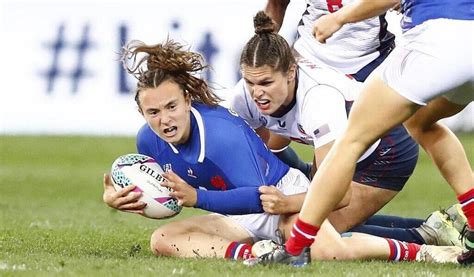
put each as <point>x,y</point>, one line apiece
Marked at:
<point>263,24</point>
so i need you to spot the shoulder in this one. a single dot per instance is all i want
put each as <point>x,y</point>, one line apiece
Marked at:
<point>221,124</point>
<point>240,100</point>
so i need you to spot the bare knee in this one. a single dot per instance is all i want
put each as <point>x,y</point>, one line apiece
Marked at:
<point>160,242</point>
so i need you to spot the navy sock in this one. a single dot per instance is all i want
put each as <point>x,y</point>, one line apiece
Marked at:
<point>402,234</point>
<point>394,221</point>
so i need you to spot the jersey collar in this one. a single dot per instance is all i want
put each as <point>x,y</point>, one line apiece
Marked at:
<point>202,137</point>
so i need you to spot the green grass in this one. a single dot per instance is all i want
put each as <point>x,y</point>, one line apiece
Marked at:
<point>53,220</point>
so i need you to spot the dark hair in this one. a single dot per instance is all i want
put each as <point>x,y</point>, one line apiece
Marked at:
<point>267,47</point>
<point>164,62</point>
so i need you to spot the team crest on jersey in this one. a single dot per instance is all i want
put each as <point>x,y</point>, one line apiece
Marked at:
<point>263,120</point>
<point>191,173</point>
<point>167,167</point>
<point>218,182</point>
<point>281,124</point>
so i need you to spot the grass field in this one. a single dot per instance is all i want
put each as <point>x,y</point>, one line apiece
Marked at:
<point>53,220</point>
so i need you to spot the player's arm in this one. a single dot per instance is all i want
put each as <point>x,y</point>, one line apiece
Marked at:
<point>276,9</point>
<point>242,200</point>
<point>356,11</point>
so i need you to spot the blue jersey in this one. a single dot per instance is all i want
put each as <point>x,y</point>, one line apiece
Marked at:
<point>223,159</point>
<point>416,12</point>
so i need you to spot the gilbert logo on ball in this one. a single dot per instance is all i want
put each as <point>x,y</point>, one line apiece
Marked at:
<point>146,175</point>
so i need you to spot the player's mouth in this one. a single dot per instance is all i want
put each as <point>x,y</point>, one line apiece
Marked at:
<point>170,131</point>
<point>262,104</point>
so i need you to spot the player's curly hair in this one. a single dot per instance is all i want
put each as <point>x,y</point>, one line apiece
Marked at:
<point>267,47</point>
<point>167,61</point>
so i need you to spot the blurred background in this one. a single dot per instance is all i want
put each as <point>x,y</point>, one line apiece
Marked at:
<point>60,68</point>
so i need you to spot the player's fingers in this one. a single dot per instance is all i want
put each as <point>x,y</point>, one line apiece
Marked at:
<point>264,189</point>
<point>127,190</point>
<point>139,205</point>
<point>169,184</point>
<point>172,177</point>
<point>131,197</point>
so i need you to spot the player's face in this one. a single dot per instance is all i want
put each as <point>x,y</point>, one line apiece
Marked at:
<point>167,111</point>
<point>271,90</point>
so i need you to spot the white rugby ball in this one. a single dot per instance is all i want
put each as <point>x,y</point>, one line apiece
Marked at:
<point>143,172</point>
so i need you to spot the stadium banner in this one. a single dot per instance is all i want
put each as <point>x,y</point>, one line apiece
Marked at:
<point>61,71</point>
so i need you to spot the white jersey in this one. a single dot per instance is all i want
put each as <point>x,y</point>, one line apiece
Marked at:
<point>318,113</point>
<point>351,48</point>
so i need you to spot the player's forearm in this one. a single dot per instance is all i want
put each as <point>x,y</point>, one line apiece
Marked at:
<point>363,9</point>
<point>243,200</point>
<point>276,10</point>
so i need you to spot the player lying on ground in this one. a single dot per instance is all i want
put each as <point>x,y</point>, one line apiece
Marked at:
<point>221,163</point>
<point>428,78</point>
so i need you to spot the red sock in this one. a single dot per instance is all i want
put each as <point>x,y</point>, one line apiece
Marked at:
<point>402,251</point>
<point>302,235</point>
<point>236,251</point>
<point>467,204</point>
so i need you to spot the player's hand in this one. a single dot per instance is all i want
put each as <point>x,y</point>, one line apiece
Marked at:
<point>325,26</point>
<point>125,200</point>
<point>182,191</point>
<point>273,200</point>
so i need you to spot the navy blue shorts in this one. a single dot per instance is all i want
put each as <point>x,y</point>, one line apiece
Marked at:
<point>392,162</point>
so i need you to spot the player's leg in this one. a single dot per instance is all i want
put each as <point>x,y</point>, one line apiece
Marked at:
<point>440,143</point>
<point>355,246</point>
<point>448,153</point>
<point>365,201</point>
<point>377,111</point>
<point>210,235</point>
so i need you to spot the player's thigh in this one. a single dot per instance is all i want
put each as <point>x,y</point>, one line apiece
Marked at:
<point>210,224</point>
<point>428,65</point>
<point>365,201</point>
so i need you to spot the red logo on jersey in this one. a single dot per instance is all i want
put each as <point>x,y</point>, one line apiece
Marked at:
<point>218,182</point>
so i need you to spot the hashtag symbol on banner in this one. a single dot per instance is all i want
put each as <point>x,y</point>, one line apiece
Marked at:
<point>57,47</point>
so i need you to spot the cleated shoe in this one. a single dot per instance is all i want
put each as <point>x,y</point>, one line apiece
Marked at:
<point>438,230</point>
<point>263,247</point>
<point>438,254</point>
<point>467,257</point>
<point>457,217</point>
<point>280,256</point>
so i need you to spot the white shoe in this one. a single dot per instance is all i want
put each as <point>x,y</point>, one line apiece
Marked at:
<point>438,254</point>
<point>438,230</point>
<point>457,217</point>
<point>263,247</point>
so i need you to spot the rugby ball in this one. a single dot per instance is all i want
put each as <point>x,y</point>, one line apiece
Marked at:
<point>143,172</point>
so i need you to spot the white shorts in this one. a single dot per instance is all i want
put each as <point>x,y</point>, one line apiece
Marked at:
<point>436,58</point>
<point>263,226</point>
